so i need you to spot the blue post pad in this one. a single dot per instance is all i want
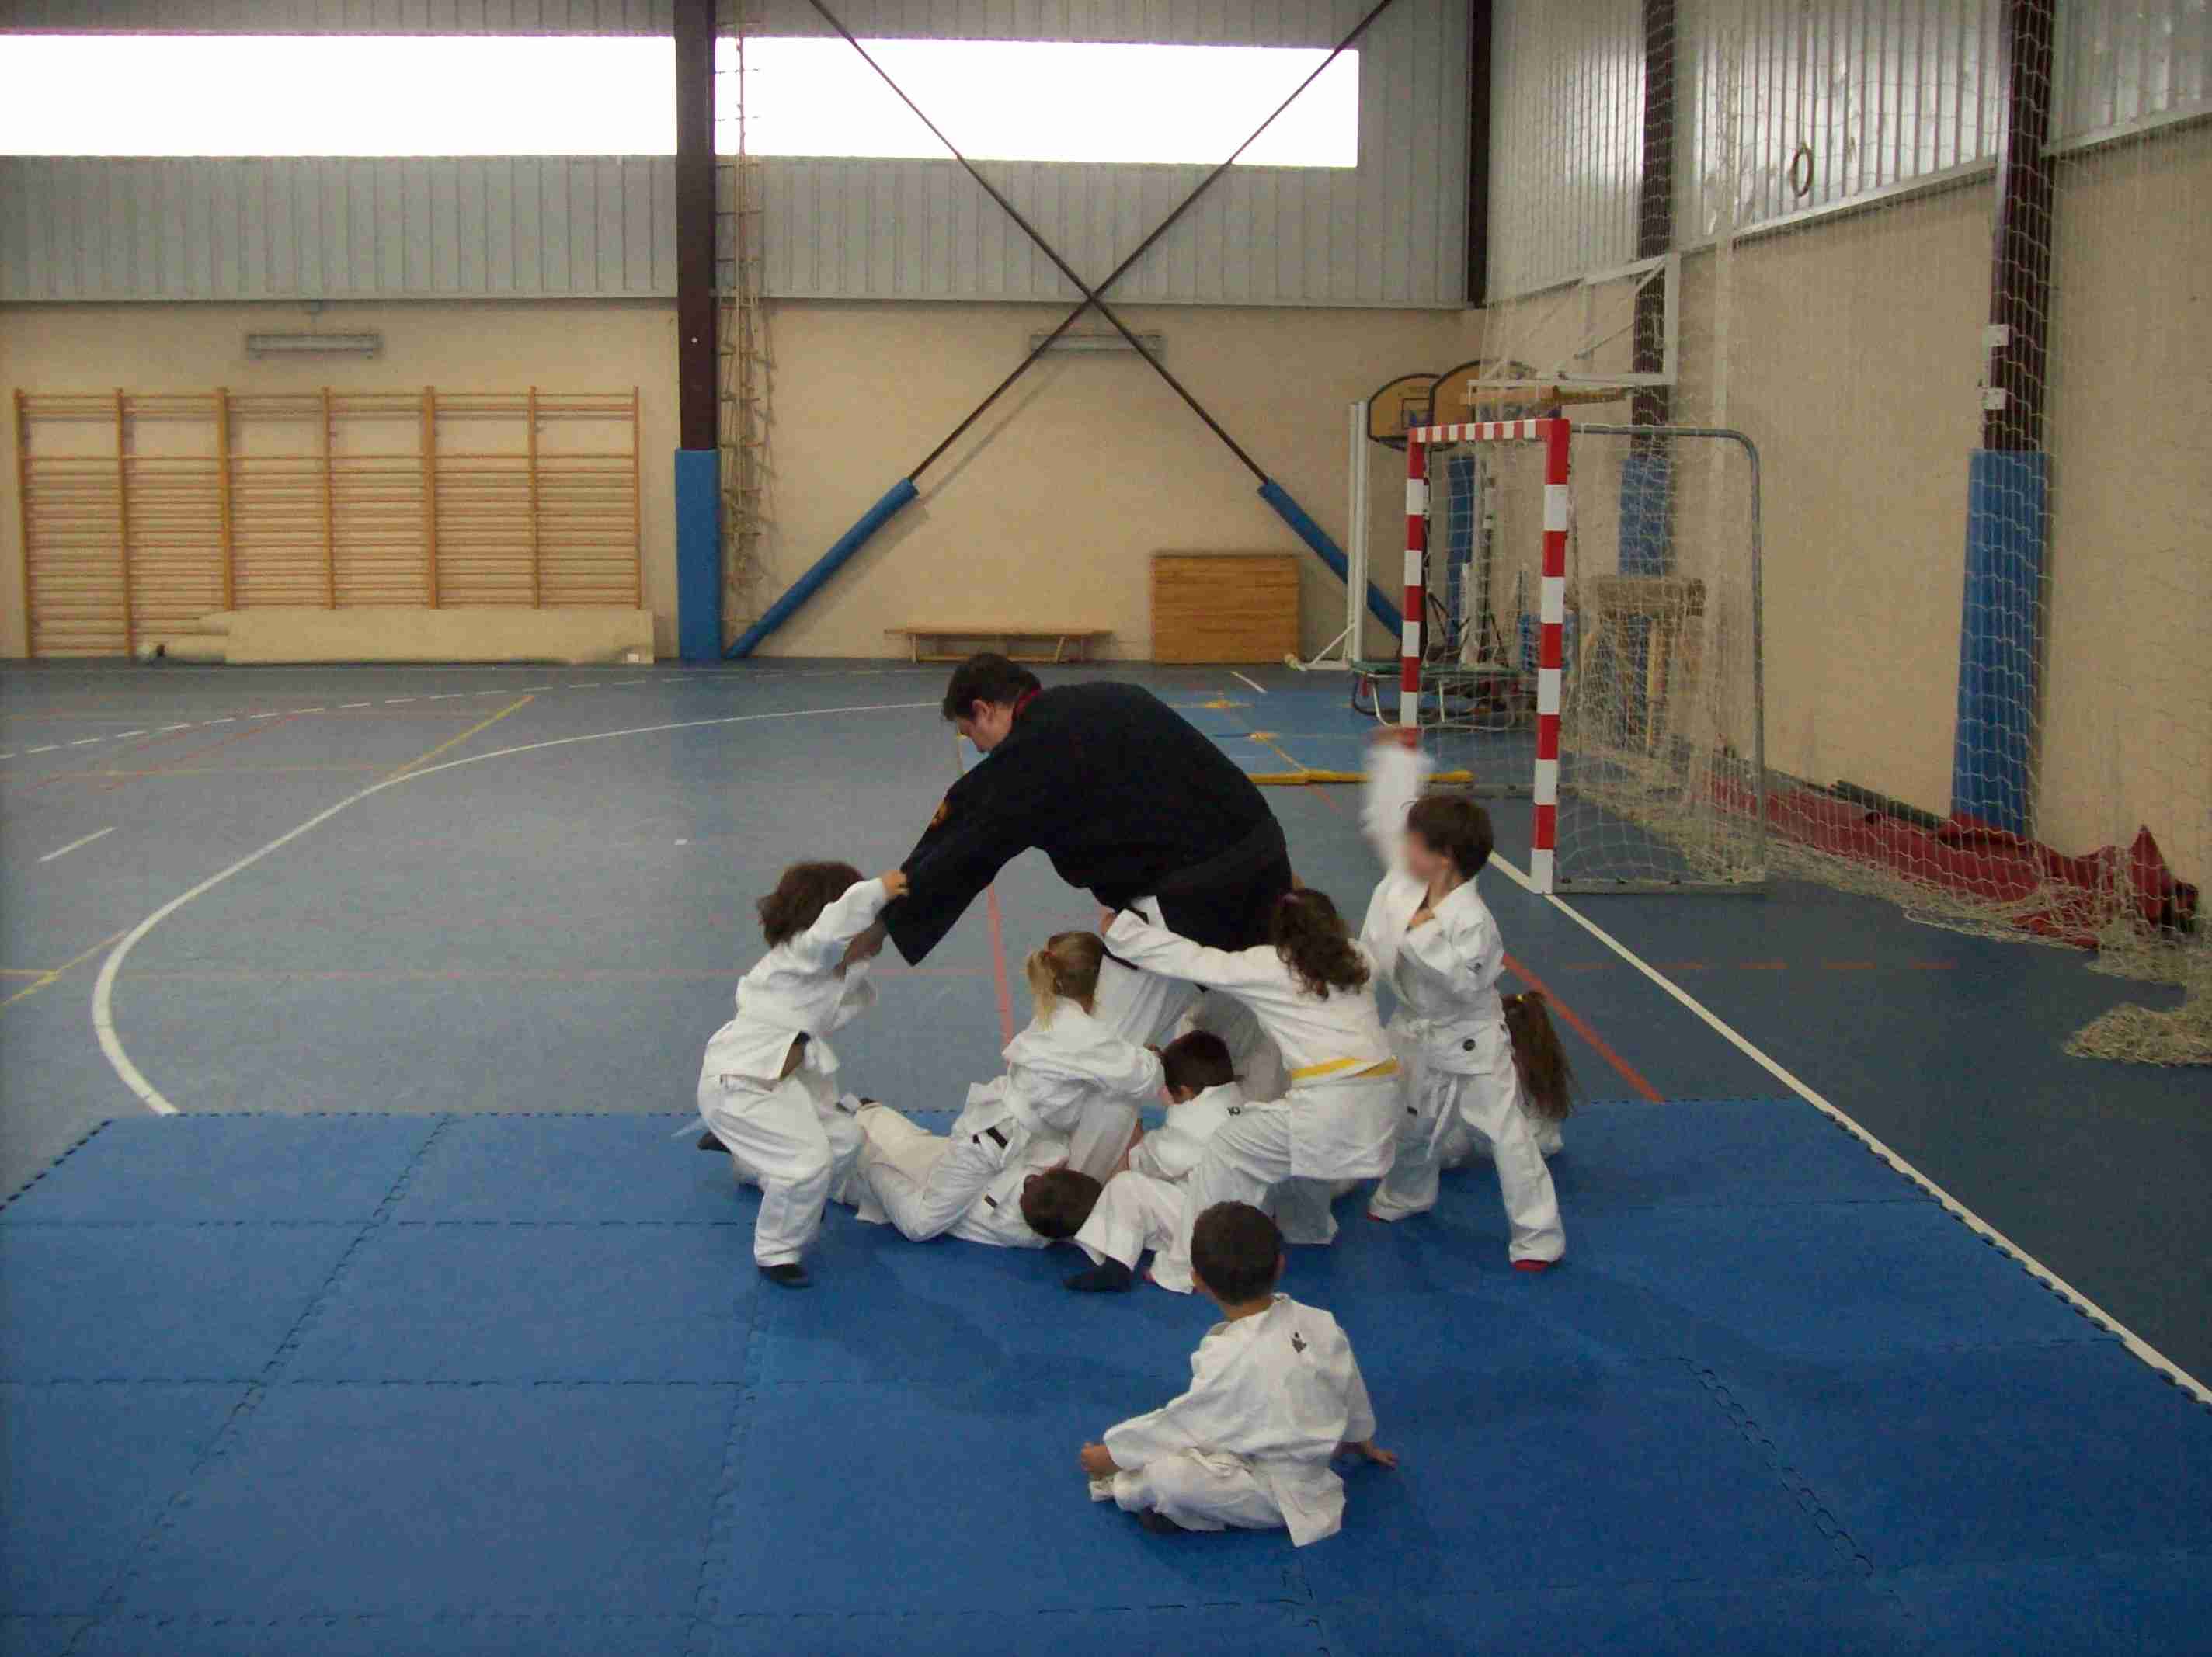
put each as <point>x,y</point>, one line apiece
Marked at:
<point>824,567</point>
<point>2000,634</point>
<point>699,554</point>
<point>1327,551</point>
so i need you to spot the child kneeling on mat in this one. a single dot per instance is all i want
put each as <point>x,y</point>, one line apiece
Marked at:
<point>1275,1395</point>
<point>765,1093</point>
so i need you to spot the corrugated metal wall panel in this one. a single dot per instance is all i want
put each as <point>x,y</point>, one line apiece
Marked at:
<point>1391,232</point>
<point>335,228</point>
<point>1565,137</point>
<point>2127,63</point>
<point>339,16</point>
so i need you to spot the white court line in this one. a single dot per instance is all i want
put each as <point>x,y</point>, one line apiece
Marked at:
<point>1255,683</point>
<point>48,749</point>
<point>64,851</point>
<point>187,725</point>
<point>83,740</point>
<point>264,716</point>
<point>343,705</point>
<point>103,989</point>
<point>392,701</point>
<point>1958,1211</point>
<point>442,696</point>
<point>298,711</point>
<point>227,719</point>
<point>120,735</point>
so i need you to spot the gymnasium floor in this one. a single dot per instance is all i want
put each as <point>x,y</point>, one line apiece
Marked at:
<point>414,1330</point>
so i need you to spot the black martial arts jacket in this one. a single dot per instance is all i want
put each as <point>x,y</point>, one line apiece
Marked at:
<point>1127,798</point>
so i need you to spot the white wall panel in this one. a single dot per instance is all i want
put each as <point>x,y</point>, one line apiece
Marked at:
<point>2127,64</point>
<point>339,17</point>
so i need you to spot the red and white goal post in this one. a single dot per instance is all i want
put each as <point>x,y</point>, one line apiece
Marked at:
<point>1650,755</point>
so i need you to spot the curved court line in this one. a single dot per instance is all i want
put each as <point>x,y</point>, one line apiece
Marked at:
<point>103,988</point>
<point>2158,1360</point>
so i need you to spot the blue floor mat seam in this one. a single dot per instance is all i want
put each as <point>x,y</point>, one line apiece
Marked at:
<point>1801,1490</point>
<point>721,1530</point>
<point>111,1598</point>
<point>74,1146</point>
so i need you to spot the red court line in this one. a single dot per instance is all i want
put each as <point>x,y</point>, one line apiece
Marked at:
<point>253,730</point>
<point>1629,1073</point>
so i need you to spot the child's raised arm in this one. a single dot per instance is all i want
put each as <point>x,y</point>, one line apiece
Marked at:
<point>822,944</point>
<point>1396,769</point>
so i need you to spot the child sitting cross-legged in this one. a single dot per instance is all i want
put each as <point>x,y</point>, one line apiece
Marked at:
<point>1275,1395</point>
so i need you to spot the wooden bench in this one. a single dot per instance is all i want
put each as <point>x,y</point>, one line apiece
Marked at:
<point>1069,644</point>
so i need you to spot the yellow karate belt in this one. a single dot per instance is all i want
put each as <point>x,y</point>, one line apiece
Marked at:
<point>1344,1067</point>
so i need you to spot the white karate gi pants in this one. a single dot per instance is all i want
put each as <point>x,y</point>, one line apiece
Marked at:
<point>1139,1007</point>
<point>1134,1212</point>
<point>922,1182</point>
<point>1199,1490</point>
<point>792,1140</point>
<point>1448,1117</point>
<point>1249,1157</point>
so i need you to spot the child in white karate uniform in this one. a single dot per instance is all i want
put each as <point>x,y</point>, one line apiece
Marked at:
<point>1061,1069</point>
<point>1312,989</point>
<point>1275,1395</point>
<point>1428,931</point>
<point>1141,1206</point>
<point>765,1092</point>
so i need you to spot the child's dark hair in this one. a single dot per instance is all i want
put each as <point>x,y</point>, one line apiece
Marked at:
<point>1311,937</point>
<point>803,892</point>
<point>1057,1202</point>
<point>1236,1252</point>
<point>1455,828</point>
<point>1197,1061</point>
<point>987,677</point>
<point>1537,1055</point>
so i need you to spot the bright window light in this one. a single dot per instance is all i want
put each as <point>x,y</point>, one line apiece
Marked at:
<point>460,96</point>
<point>1017,100</point>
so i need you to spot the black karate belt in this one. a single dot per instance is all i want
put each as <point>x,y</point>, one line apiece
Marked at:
<point>991,1133</point>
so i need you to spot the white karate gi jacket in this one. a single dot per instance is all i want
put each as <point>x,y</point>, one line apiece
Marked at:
<point>1343,1124</point>
<point>1172,1150</point>
<point>967,1184</point>
<point>796,989</point>
<point>1056,1070</point>
<point>1445,971</point>
<point>1279,1391</point>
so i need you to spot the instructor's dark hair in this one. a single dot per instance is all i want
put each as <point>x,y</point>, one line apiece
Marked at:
<point>1546,1077</point>
<point>804,890</point>
<point>1057,1202</point>
<point>987,677</point>
<point>1311,937</point>
<point>1453,827</point>
<point>1196,1062</point>
<point>1236,1252</point>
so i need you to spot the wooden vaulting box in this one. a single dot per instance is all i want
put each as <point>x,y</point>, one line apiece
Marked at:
<point>1224,606</point>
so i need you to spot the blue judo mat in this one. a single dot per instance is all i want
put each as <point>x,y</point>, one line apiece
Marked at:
<point>509,1384</point>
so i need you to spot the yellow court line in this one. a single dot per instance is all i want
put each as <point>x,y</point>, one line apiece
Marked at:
<point>55,976</point>
<point>422,760</point>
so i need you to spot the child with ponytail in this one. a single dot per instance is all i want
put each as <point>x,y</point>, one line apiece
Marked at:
<point>1312,988</point>
<point>1009,1150</point>
<point>1436,942</point>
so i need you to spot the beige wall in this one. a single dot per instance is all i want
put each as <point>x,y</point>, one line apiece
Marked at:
<point>1047,514</point>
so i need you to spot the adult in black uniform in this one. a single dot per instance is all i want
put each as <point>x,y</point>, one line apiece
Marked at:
<point>1130,801</point>
<point>1125,796</point>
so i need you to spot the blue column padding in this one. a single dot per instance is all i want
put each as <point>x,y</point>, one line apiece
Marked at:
<point>1647,491</point>
<point>1999,638</point>
<point>824,567</point>
<point>1326,550</point>
<point>699,554</point>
